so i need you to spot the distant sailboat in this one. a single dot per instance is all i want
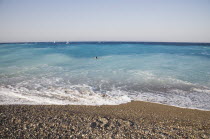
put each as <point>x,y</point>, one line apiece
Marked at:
<point>54,41</point>
<point>67,42</point>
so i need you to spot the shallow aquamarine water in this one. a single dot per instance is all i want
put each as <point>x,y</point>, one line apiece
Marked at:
<point>175,74</point>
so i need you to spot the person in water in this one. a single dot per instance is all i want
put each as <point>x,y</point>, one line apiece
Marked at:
<point>96,57</point>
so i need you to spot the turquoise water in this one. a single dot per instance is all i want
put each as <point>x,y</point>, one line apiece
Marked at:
<point>175,74</point>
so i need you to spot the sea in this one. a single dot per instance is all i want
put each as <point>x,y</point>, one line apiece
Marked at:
<point>105,73</point>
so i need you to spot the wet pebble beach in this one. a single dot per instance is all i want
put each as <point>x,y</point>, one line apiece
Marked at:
<point>131,120</point>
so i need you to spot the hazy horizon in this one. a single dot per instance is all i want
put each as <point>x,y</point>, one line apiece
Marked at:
<point>97,41</point>
<point>97,20</point>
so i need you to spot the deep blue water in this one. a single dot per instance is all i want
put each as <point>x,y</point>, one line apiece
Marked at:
<point>58,73</point>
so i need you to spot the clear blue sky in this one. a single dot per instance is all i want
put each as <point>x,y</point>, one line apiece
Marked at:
<point>105,20</point>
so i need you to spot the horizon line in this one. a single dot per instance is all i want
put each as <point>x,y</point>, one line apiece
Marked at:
<point>107,42</point>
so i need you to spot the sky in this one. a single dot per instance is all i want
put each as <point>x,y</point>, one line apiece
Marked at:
<point>105,20</point>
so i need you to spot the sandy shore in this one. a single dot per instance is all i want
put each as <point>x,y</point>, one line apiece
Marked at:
<point>131,120</point>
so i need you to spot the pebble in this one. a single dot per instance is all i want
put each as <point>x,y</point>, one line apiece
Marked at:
<point>55,123</point>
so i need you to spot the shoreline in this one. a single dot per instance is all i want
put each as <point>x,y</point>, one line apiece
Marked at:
<point>105,105</point>
<point>130,120</point>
